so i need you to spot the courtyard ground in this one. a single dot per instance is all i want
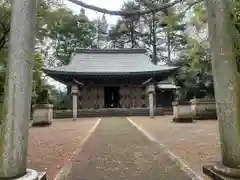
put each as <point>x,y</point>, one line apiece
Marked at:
<point>194,143</point>
<point>118,151</point>
<point>52,146</point>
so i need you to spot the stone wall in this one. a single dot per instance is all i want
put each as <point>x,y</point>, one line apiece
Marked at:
<point>182,112</point>
<point>196,109</point>
<point>203,109</point>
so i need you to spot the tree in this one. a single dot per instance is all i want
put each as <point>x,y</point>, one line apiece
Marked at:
<point>152,34</point>
<point>115,39</point>
<point>195,60</point>
<point>5,13</point>
<point>38,81</point>
<point>125,32</point>
<point>101,27</point>
<point>56,96</point>
<point>67,35</point>
<point>44,9</point>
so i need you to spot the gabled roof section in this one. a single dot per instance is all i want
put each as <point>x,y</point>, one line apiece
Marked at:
<point>109,61</point>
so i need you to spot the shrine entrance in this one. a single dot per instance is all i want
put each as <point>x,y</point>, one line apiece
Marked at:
<point>111,97</point>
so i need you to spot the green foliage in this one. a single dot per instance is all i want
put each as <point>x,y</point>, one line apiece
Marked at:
<point>68,34</point>
<point>236,13</point>
<point>59,27</point>
<point>43,97</point>
<point>125,32</point>
<point>37,73</point>
<point>54,24</point>
<point>171,39</point>
<point>56,96</point>
<point>5,15</point>
<point>175,33</point>
<point>199,18</point>
<point>195,60</point>
<point>115,38</point>
<point>101,27</point>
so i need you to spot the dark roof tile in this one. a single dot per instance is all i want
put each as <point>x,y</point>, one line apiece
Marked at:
<point>110,61</point>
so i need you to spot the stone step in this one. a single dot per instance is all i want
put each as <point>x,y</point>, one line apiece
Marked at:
<point>111,112</point>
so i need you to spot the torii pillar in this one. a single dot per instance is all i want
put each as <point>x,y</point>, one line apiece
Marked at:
<point>14,128</point>
<point>225,43</point>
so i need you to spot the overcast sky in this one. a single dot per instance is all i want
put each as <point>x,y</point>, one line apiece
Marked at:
<point>108,4</point>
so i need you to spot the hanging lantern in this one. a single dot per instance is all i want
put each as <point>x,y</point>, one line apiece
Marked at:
<point>161,18</point>
<point>82,18</point>
<point>123,27</point>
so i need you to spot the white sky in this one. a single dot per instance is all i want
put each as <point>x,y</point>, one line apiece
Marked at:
<point>108,4</point>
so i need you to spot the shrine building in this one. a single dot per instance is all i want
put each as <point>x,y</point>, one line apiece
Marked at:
<point>115,78</point>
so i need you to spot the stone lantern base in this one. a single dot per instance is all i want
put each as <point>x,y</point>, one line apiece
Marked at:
<point>33,175</point>
<point>217,171</point>
<point>182,112</point>
<point>202,109</point>
<point>42,114</point>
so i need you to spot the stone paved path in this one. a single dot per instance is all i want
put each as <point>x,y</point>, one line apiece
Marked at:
<point>196,144</point>
<point>50,147</point>
<point>118,151</point>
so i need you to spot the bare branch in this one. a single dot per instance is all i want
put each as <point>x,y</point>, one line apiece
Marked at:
<point>8,13</point>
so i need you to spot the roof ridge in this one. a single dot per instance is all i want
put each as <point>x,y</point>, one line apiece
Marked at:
<point>112,51</point>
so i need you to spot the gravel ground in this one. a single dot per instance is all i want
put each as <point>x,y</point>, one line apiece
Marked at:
<point>118,151</point>
<point>195,143</point>
<point>50,147</point>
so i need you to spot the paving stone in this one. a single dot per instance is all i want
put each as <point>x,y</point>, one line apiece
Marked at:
<point>118,151</point>
<point>196,143</point>
<point>50,147</point>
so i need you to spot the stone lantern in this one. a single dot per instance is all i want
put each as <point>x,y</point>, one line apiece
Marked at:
<point>42,110</point>
<point>75,93</point>
<point>151,92</point>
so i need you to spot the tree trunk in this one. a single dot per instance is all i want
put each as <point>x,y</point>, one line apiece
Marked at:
<point>154,45</point>
<point>226,79</point>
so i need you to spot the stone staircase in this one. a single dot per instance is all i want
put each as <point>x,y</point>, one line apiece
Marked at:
<point>114,112</point>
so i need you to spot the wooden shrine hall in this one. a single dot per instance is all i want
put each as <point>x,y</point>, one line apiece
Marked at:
<point>114,79</point>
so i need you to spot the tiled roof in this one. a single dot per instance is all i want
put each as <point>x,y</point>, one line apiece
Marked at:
<point>110,61</point>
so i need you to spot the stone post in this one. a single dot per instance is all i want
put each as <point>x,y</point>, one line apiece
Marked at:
<point>151,91</point>
<point>75,92</point>
<point>151,108</point>
<point>17,94</point>
<point>223,40</point>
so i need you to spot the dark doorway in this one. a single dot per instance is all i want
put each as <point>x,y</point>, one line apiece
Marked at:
<point>164,98</point>
<point>111,97</point>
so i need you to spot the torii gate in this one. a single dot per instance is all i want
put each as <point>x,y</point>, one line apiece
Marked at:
<point>14,127</point>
